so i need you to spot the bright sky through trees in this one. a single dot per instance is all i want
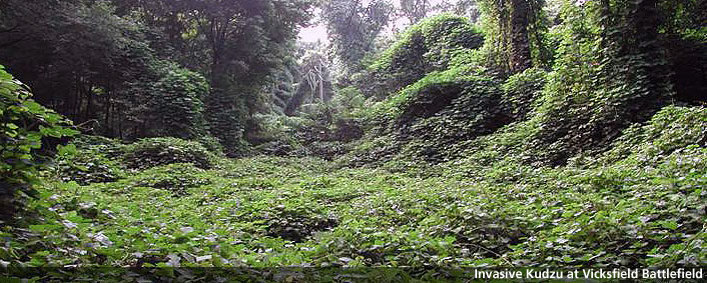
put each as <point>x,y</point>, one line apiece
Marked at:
<point>318,32</point>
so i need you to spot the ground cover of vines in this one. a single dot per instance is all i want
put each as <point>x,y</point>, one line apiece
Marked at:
<point>646,207</point>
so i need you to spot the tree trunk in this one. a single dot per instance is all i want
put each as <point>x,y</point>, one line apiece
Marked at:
<point>520,58</point>
<point>88,114</point>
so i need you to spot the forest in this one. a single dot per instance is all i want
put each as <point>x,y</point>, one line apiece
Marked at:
<point>349,140</point>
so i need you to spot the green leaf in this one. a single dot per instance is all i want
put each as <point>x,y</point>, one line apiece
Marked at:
<point>672,225</point>
<point>67,150</point>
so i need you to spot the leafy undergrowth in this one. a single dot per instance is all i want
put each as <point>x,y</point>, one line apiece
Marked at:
<point>643,206</point>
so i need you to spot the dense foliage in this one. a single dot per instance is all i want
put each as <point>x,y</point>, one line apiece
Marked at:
<point>296,211</point>
<point>25,124</point>
<point>177,107</point>
<point>134,69</point>
<point>160,151</point>
<point>425,47</point>
<point>354,26</point>
<point>550,133</point>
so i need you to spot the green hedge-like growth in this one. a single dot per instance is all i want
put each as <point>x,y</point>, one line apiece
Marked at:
<point>90,159</point>
<point>152,152</point>
<point>423,48</point>
<point>177,100</point>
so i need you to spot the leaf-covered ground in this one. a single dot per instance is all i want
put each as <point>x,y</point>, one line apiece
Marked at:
<point>641,203</point>
<point>281,212</point>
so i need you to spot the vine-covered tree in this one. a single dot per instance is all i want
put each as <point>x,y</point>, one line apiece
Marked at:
<point>353,27</point>
<point>512,24</point>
